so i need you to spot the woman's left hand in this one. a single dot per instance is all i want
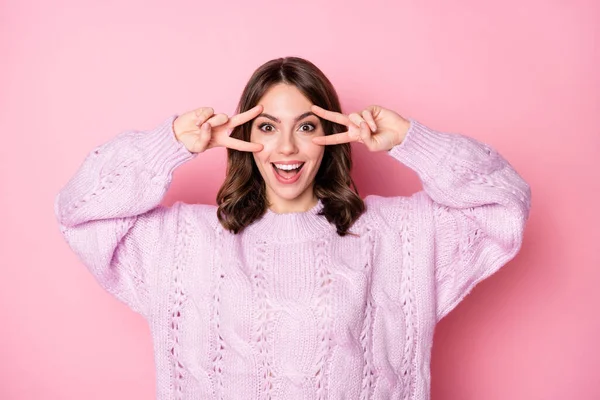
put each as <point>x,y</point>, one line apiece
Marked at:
<point>376,127</point>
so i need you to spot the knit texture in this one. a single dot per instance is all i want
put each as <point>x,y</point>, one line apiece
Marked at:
<point>288,309</point>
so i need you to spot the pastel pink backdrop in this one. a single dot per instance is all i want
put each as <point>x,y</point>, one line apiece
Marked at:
<point>520,75</point>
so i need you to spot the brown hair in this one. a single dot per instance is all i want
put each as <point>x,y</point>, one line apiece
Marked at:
<point>242,197</point>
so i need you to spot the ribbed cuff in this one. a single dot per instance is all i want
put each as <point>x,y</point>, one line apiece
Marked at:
<point>423,149</point>
<point>163,151</point>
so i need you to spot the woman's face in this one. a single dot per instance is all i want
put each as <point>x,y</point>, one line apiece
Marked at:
<point>289,160</point>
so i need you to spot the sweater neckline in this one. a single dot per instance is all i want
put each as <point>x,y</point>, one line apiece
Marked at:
<point>296,225</point>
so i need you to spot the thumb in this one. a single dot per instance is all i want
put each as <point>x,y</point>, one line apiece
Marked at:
<point>365,135</point>
<point>204,135</point>
<point>202,114</point>
<point>375,110</point>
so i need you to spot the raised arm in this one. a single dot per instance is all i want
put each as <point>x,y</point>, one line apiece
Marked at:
<point>109,211</point>
<point>477,203</point>
<point>472,209</point>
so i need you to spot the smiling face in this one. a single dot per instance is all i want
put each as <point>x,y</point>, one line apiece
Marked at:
<point>289,160</point>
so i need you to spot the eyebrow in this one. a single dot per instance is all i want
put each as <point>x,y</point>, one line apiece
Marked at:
<point>298,118</point>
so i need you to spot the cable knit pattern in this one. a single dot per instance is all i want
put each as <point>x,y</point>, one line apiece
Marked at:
<point>324,317</point>
<point>288,309</point>
<point>264,321</point>
<point>176,302</point>
<point>368,377</point>
<point>217,339</point>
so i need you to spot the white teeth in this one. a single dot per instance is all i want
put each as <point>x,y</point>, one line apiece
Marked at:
<point>288,167</point>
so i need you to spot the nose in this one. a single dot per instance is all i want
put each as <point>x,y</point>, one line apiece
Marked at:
<point>287,144</point>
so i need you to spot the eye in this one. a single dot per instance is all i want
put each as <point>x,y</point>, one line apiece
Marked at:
<point>310,125</point>
<point>264,125</point>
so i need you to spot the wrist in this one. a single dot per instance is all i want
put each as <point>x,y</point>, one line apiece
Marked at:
<point>174,128</point>
<point>401,132</point>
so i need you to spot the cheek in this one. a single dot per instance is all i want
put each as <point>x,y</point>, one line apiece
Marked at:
<point>313,151</point>
<point>260,159</point>
<point>267,141</point>
<point>262,155</point>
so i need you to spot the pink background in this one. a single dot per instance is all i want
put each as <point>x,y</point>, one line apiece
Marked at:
<point>520,75</point>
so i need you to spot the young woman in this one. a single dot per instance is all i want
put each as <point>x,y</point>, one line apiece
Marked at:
<point>293,287</point>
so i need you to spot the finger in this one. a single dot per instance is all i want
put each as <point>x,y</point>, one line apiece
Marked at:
<point>330,115</point>
<point>218,119</point>
<point>370,120</point>
<point>355,118</point>
<point>205,135</point>
<point>246,116</point>
<point>354,130</point>
<point>337,138</point>
<point>240,145</point>
<point>202,114</point>
<point>365,134</point>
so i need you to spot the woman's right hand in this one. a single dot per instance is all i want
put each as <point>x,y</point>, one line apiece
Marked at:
<point>202,129</point>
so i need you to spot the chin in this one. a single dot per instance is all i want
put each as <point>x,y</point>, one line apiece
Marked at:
<point>289,192</point>
<point>288,195</point>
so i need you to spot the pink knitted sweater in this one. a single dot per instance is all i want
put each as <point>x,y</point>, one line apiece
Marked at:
<point>288,309</point>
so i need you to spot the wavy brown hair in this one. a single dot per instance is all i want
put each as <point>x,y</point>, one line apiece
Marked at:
<point>242,197</point>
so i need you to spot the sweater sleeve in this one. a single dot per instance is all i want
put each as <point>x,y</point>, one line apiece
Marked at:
<point>477,202</point>
<point>109,212</point>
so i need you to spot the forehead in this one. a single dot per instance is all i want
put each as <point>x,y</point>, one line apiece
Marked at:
<point>284,101</point>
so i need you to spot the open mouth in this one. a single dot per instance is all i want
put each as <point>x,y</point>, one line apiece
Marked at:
<point>287,172</point>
